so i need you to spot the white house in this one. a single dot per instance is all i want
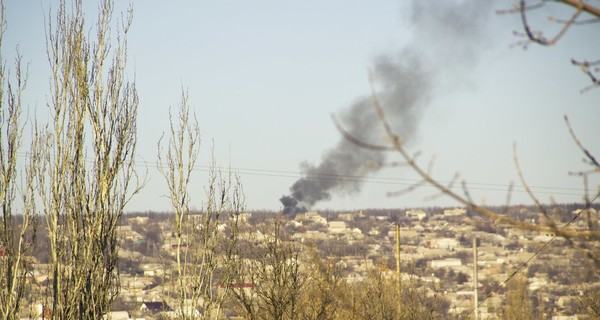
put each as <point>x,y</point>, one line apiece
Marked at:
<point>337,226</point>
<point>445,263</point>
<point>346,216</point>
<point>315,217</point>
<point>416,214</point>
<point>444,243</point>
<point>455,212</point>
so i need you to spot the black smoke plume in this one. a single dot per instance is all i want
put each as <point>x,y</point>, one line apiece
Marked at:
<point>448,38</point>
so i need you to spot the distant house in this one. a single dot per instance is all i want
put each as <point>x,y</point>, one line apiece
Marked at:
<point>138,220</point>
<point>455,212</point>
<point>153,270</point>
<point>294,223</point>
<point>337,226</point>
<point>154,308</point>
<point>536,283</point>
<point>354,277</point>
<point>374,231</point>
<point>117,315</point>
<point>313,235</point>
<point>416,214</point>
<point>444,243</point>
<point>574,317</point>
<point>245,216</point>
<point>346,216</point>
<point>127,233</point>
<point>381,218</point>
<point>405,233</point>
<point>444,263</point>
<point>315,217</point>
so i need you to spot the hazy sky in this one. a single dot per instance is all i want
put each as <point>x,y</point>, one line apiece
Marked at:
<point>265,76</point>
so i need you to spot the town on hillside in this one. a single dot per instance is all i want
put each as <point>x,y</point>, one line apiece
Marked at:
<point>348,258</point>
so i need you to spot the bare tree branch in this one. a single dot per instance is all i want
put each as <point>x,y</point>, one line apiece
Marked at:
<point>533,36</point>
<point>537,37</point>
<point>466,200</point>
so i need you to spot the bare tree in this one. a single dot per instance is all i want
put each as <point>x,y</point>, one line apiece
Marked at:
<point>518,303</point>
<point>590,300</point>
<point>377,297</point>
<point>88,175</point>
<point>17,230</point>
<point>203,244</point>
<point>578,239</point>
<point>323,293</point>
<point>582,13</point>
<point>270,278</point>
<point>585,240</point>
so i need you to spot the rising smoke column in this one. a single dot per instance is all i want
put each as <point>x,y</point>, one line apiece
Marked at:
<point>448,39</point>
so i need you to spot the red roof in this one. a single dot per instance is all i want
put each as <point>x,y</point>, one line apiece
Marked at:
<point>240,285</point>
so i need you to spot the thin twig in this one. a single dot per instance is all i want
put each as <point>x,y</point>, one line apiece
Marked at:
<point>578,22</point>
<point>589,155</point>
<point>427,179</point>
<point>355,140</point>
<point>538,38</point>
<point>517,8</point>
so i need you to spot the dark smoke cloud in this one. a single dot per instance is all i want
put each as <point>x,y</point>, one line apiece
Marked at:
<point>448,38</point>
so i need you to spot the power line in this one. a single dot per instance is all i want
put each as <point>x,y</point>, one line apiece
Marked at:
<point>378,180</point>
<point>480,186</point>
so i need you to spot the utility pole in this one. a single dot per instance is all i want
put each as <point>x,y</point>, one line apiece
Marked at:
<point>398,287</point>
<point>475,281</point>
